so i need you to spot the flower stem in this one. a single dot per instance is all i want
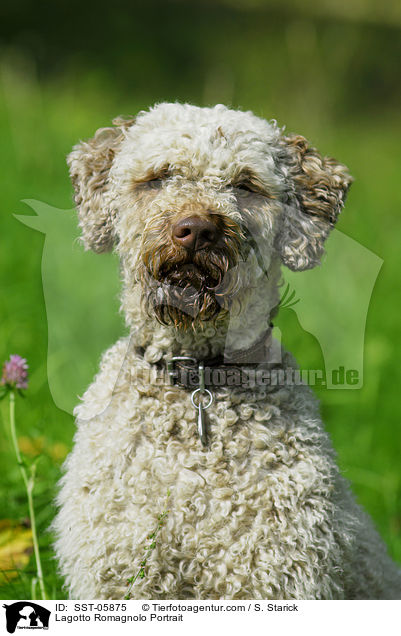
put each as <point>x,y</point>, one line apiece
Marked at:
<point>29,484</point>
<point>152,537</point>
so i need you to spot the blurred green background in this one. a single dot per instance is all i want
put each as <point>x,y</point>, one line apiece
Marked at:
<point>328,70</point>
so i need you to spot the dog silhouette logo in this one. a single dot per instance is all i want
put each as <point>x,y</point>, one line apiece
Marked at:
<point>26,615</point>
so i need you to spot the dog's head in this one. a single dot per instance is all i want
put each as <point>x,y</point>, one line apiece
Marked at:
<point>190,195</point>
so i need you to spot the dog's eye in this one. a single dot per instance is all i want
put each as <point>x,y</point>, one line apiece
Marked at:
<point>150,184</point>
<point>244,187</point>
<point>154,184</point>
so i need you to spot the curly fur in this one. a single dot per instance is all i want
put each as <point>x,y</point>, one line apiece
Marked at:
<point>90,163</point>
<point>262,511</point>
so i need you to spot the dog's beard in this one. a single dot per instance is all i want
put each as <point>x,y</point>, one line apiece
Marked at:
<point>186,289</point>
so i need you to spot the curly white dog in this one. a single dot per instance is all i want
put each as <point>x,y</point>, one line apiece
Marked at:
<point>203,205</point>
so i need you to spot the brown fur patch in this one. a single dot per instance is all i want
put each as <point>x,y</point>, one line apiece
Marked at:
<point>321,183</point>
<point>184,288</point>
<point>89,164</point>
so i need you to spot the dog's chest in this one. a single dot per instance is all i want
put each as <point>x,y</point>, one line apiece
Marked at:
<point>236,496</point>
<point>148,446</point>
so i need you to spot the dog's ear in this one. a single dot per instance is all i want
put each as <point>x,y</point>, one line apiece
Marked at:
<point>317,190</point>
<point>90,163</point>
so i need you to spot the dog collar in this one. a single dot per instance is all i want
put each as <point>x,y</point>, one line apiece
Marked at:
<point>220,371</point>
<point>201,376</point>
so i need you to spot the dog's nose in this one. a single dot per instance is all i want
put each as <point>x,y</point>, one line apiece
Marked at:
<point>195,233</point>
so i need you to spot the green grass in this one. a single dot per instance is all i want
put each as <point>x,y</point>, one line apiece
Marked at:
<point>38,125</point>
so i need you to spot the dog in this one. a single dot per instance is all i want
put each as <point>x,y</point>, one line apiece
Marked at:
<point>195,406</point>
